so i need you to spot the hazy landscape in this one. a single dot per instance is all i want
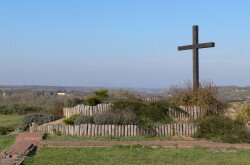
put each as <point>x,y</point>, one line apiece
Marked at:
<point>226,93</point>
<point>124,82</point>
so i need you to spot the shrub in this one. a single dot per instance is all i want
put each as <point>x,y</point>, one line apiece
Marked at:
<point>37,118</point>
<point>92,101</point>
<point>4,130</point>
<point>102,93</point>
<point>129,118</point>
<point>82,119</point>
<point>127,111</point>
<point>20,109</point>
<point>58,133</point>
<point>244,114</point>
<point>70,120</point>
<point>73,102</point>
<point>205,97</point>
<point>222,129</point>
<point>56,109</point>
<point>145,112</point>
<point>106,118</point>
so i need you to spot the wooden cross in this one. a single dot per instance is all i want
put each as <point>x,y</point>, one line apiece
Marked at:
<point>196,46</point>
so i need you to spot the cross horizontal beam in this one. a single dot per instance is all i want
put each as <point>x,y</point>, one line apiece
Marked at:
<point>197,46</point>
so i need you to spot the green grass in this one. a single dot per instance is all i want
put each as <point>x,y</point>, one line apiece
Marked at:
<point>137,155</point>
<point>109,138</point>
<point>6,141</point>
<point>11,121</point>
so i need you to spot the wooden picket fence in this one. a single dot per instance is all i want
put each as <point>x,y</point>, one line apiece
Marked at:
<point>183,129</point>
<point>192,112</point>
<point>85,110</point>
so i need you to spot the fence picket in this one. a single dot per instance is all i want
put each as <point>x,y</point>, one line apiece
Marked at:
<point>184,129</point>
<point>191,112</point>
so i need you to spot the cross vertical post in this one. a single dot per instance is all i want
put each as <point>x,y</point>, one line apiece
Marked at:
<point>195,58</point>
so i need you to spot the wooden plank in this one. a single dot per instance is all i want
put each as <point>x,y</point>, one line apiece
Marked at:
<point>129,130</point>
<point>167,130</point>
<point>84,129</point>
<point>81,130</point>
<point>112,130</point>
<point>122,130</point>
<point>185,129</point>
<point>102,130</point>
<point>197,46</point>
<point>89,130</point>
<point>96,130</point>
<point>106,130</point>
<point>135,130</point>
<point>77,130</point>
<point>126,131</point>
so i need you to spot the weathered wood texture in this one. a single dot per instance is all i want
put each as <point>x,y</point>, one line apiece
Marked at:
<point>195,58</point>
<point>117,130</point>
<point>193,112</point>
<point>195,47</point>
<point>85,110</point>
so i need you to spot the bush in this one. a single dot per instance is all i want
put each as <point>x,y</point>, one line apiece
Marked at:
<point>73,102</point>
<point>56,109</point>
<point>92,101</point>
<point>70,120</point>
<point>205,97</point>
<point>107,118</point>
<point>19,109</point>
<point>129,118</point>
<point>56,132</point>
<point>102,93</point>
<point>145,112</point>
<point>244,114</point>
<point>222,129</point>
<point>132,112</point>
<point>4,130</point>
<point>82,119</point>
<point>37,118</point>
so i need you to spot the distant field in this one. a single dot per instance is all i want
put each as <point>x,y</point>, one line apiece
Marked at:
<point>6,141</point>
<point>137,155</point>
<point>10,120</point>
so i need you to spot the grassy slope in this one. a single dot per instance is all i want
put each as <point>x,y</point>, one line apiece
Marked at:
<point>10,120</point>
<point>6,141</point>
<point>137,155</point>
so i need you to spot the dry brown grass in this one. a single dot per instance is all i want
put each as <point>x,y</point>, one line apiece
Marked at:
<point>206,97</point>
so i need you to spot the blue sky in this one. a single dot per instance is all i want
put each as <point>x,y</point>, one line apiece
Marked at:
<point>129,43</point>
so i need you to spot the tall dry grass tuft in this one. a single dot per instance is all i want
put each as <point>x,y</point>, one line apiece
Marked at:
<point>205,97</point>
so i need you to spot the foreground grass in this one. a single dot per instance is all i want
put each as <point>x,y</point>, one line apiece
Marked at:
<point>137,155</point>
<point>11,121</point>
<point>109,138</point>
<point>6,141</point>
